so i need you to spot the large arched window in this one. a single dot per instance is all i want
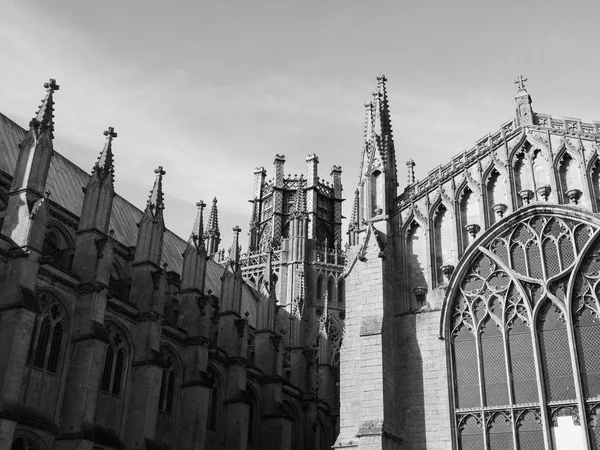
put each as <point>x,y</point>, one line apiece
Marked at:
<point>48,337</point>
<point>524,334</point>
<point>115,362</point>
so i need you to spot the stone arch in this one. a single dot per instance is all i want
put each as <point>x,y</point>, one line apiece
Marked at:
<point>442,238</point>
<point>27,440</point>
<point>514,304</point>
<point>59,246</point>
<point>567,165</point>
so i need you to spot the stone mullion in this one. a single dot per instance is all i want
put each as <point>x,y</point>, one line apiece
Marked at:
<point>571,335</point>
<point>507,364</point>
<point>481,385</point>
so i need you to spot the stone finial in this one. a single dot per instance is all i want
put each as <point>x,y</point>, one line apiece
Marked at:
<point>473,229</point>
<point>44,118</point>
<point>520,82</point>
<point>198,230</point>
<point>105,164</point>
<point>156,200</point>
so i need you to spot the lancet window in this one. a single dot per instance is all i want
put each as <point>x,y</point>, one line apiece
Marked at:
<point>168,384</point>
<point>524,339</point>
<point>115,360</point>
<point>48,337</point>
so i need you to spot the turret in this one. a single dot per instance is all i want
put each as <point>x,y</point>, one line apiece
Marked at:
<point>523,100</point>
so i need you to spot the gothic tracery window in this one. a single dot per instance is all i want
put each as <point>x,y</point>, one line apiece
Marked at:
<point>113,374</point>
<point>517,380</point>
<point>168,384</point>
<point>49,328</point>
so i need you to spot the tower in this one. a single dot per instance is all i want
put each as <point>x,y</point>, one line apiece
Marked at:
<point>295,249</point>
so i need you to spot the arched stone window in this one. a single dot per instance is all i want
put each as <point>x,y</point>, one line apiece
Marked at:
<point>115,362</point>
<point>169,384</point>
<point>523,335</point>
<point>320,287</point>
<point>214,405</point>
<point>330,284</point>
<point>26,442</point>
<point>49,336</point>
<point>58,247</point>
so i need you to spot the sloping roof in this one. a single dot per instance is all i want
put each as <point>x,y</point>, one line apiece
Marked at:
<point>65,183</point>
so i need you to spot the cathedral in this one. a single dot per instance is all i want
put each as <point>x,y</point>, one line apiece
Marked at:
<point>459,312</point>
<point>472,296</point>
<point>118,334</point>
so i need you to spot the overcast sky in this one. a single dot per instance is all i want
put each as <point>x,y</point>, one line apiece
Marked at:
<point>212,89</point>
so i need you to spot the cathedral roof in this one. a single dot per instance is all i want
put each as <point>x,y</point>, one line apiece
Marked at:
<point>65,182</point>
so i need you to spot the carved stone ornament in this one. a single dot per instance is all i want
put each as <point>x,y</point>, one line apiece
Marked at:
<point>473,229</point>
<point>574,195</point>
<point>156,276</point>
<point>544,192</point>
<point>202,302</point>
<point>100,243</point>
<point>447,270</point>
<point>420,292</point>
<point>275,341</point>
<point>148,316</point>
<point>526,195</point>
<point>499,209</point>
<point>240,325</point>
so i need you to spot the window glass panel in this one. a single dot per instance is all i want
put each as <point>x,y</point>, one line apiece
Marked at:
<point>54,355</point>
<point>108,364</point>
<point>500,433</point>
<point>494,365</point>
<point>525,388</point>
<point>471,435</point>
<point>465,366</point>
<point>530,434</point>
<point>42,343</point>
<point>554,350</point>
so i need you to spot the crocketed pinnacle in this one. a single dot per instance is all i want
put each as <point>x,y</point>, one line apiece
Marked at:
<point>105,165</point>
<point>354,221</point>
<point>212,226</point>
<point>198,230</point>
<point>234,251</point>
<point>156,201</point>
<point>44,118</point>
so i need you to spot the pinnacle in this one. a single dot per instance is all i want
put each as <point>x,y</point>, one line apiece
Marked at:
<point>198,230</point>
<point>156,200</point>
<point>44,118</point>
<point>213,219</point>
<point>105,164</point>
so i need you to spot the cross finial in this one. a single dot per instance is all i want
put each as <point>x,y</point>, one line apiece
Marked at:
<point>201,204</point>
<point>51,85</point>
<point>520,81</point>
<point>110,133</point>
<point>159,171</point>
<point>236,229</point>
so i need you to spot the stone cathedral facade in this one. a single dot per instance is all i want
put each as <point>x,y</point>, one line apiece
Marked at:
<point>118,334</point>
<point>473,296</point>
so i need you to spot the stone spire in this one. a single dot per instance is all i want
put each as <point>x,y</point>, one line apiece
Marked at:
<point>198,231</point>
<point>98,200</point>
<point>525,114</point>
<point>29,179</point>
<point>213,235</point>
<point>378,180</point>
<point>44,119</point>
<point>354,225</point>
<point>155,203</point>
<point>151,228</point>
<point>234,251</point>
<point>105,165</point>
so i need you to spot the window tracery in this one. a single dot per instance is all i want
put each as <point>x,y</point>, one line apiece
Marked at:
<point>526,294</point>
<point>114,362</point>
<point>45,347</point>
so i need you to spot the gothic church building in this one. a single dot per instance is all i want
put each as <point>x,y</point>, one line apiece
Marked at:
<point>473,296</point>
<point>118,334</point>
